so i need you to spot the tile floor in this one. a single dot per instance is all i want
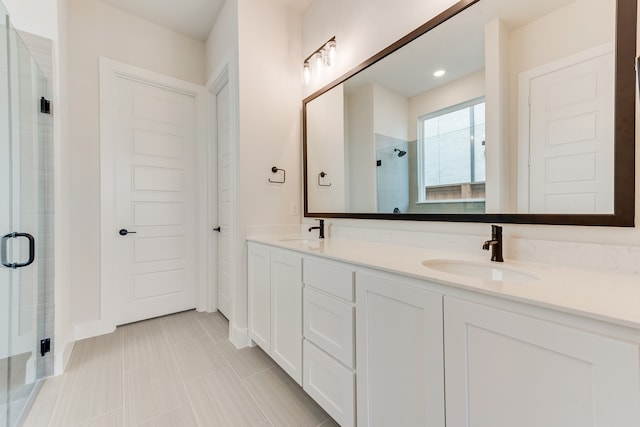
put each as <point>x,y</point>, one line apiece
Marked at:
<point>177,370</point>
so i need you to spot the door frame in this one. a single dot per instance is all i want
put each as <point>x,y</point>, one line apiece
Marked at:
<point>219,79</point>
<point>224,74</point>
<point>109,71</point>
<point>524,115</point>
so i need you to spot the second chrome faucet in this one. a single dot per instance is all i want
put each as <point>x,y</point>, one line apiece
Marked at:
<point>495,244</point>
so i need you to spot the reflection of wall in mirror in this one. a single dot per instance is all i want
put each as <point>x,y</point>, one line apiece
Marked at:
<point>326,152</point>
<point>373,114</point>
<point>359,149</point>
<point>577,27</point>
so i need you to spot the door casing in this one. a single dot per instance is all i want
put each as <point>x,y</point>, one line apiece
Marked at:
<point>109,70</point>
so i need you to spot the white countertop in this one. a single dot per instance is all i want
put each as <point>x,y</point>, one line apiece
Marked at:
<point>609,297</point>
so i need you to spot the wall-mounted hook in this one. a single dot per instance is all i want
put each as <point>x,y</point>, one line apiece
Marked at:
<point>284,175</point>
<point>322,175</point>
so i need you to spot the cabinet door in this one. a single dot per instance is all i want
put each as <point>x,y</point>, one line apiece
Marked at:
<point>400,372</point>
<point>330,384</point>
<point>259,296</point>
<point>286,312</point>
<point>505,369</point>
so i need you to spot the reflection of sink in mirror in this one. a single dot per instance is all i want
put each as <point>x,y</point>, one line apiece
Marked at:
<point>479,270</point>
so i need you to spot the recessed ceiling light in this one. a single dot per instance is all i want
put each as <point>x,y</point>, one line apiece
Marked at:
<point>439,73</point>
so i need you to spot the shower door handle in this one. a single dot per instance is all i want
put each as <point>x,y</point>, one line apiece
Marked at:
<point>3,250</point>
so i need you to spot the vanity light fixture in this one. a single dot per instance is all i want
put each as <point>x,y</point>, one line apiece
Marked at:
<point>323,56</point>
<point>439,73</point>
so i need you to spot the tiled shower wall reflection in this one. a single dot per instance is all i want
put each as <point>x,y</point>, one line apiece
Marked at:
<point>392,174</point>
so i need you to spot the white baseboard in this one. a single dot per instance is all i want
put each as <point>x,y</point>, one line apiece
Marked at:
<point>92,328</point>
<point>239,337</point>
<point>62,357</point>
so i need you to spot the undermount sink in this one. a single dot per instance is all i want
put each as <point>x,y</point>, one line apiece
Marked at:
<point>479,270</point>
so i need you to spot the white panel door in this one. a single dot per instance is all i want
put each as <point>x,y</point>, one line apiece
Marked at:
<point>225,217</point>
<point>286,312</point>
<point>400,372</point>
<point>571,138</point>
<point>505,369</point>
<point>155,198</point>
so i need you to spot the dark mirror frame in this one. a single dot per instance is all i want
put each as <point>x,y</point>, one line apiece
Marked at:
<point>624,124</point>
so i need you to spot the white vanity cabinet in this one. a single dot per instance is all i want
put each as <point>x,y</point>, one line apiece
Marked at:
<point>507,369</point>
<point>329,337</point>
<point>275,305</point>
<point>399,353</point>
<point>384,349</point>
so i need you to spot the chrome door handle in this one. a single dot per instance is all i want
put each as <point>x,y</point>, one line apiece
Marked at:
<point>124,232</point>
<point>32,250</point>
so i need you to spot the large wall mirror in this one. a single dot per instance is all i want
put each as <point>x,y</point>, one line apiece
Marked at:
<point>494,111</point>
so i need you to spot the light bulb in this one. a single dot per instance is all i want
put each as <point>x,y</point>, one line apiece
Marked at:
<point>306,73</point>
<point>317,60</point>
<point>439,73</point>
<point>330,49</point>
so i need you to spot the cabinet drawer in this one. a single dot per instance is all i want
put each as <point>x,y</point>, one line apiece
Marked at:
<point>330,277</point>
<point>330,384</point>
<point>329,324</point>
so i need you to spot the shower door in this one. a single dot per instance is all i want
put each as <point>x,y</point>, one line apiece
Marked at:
<point>22,208</point>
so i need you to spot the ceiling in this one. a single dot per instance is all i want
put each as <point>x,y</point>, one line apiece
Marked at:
<point>409,71</point>
<point>193,18</point>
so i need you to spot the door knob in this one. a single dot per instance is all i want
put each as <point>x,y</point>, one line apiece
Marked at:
<point>217,229</point>
<point>124,232</point>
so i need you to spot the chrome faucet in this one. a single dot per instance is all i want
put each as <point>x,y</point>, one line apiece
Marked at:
<point>495,244</point>
<point>319,228</point>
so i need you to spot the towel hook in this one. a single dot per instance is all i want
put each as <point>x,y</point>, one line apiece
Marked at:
<point>322,175</point>
<point>275,169</point>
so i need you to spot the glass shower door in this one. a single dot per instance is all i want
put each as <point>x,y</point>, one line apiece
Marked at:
<point>21,225</point>
<point>5,217</point>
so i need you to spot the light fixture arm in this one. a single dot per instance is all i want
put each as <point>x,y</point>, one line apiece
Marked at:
<point>321,48</point>
<point>322,56</point>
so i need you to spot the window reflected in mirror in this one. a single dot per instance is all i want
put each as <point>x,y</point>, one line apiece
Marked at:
<point>451,154</point>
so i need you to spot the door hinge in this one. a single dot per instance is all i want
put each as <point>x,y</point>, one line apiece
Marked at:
<point>45,106</point>
<point>45,346</point>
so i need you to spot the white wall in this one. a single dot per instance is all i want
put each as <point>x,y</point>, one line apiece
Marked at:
<point>95,29</point>
<point>34,16</point>
<point>364,27</point>
<point>222,42</point>
<point>269,61</point>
